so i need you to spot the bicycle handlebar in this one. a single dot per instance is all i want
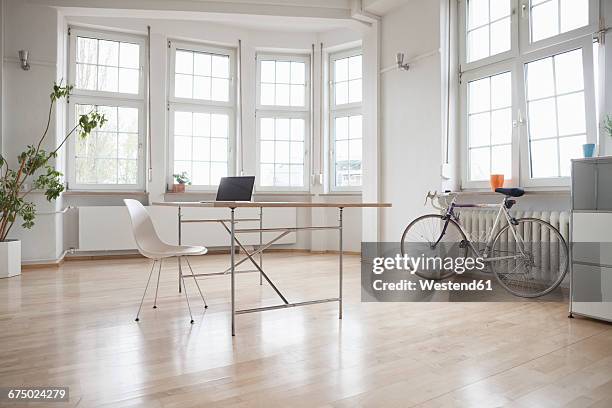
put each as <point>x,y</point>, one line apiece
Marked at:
<point>437,196</point>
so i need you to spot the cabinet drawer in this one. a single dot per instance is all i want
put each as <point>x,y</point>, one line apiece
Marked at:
<point>591,283</point>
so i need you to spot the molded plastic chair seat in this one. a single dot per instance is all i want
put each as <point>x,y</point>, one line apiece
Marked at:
<point>512,192</point>
<point>148,242</point>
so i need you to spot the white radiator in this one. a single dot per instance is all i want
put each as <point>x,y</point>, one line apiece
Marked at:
<point>478,222</point>
<point>108,228</point>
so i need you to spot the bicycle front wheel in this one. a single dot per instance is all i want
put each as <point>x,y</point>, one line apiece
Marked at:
<point>430,237</point>
<point>536,264</point>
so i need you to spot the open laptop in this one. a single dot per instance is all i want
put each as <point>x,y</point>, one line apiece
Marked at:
<point>235,189</point>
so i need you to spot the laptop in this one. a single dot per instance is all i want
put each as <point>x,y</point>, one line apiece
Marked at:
<point>235,189</point>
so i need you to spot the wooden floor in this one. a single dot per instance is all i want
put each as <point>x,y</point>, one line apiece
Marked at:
<point>74,326</point>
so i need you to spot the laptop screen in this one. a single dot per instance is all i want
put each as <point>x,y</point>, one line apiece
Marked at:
<point>235,188</point>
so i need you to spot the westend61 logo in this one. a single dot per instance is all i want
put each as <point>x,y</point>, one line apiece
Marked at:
<point>413,264</point>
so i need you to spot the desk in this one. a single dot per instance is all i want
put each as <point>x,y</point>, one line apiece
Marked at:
<point>232,231</point>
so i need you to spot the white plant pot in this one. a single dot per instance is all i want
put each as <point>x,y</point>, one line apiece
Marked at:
<point>10,258</point>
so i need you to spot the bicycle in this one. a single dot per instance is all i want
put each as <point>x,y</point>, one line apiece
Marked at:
<point>524,265</point>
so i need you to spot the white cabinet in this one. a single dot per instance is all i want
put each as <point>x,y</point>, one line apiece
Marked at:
<point>591,248</point>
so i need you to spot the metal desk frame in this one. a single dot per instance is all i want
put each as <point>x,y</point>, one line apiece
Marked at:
<point>283,231</point>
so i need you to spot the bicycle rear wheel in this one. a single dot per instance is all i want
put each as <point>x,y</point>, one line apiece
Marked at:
<point>424,238</point>
<point>539,263</point>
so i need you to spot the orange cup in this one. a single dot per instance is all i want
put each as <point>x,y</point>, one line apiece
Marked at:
<point>496,181</point>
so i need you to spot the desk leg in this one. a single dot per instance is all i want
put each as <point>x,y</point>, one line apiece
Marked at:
<point>180,274</point>
<point>260,243</point>
<point>233,270</point>
<point>340,250</point>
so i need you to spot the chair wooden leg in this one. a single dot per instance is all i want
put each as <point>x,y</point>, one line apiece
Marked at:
<point>145,291</point>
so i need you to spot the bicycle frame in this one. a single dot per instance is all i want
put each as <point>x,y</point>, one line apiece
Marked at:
<point>503,211</point>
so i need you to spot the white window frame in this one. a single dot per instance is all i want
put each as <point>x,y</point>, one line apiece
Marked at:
<point>335,111</point>
<point>201,106</point>
<point>278,111</point>
<point>515,62</point>
<point>514,39</point>
<point>90,97</point>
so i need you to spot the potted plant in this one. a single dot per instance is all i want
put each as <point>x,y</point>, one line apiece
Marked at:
<point>180,180</point>
<point>34,166</point>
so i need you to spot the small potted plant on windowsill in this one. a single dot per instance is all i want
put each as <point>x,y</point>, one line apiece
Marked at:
<point>180,181</point>
<point>34,170</point>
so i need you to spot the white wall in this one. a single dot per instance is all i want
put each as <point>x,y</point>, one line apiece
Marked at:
<point>410,113</point>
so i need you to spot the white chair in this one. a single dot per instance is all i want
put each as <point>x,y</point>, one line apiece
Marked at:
<point>151,246</point>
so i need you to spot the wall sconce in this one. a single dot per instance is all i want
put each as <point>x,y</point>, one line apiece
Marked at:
<point>23,59</point>
<point>400,62</point>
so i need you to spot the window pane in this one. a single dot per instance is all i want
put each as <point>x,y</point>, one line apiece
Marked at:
<point>479,129</point>
<point>499,9</point>
<point>202,64</point>
<point>480,164</point>
<point>87,50</point>
<point>183,123</point>
<point>342,150</point>
<point>128,80</point>
<point>479,95</point>
<point>108,53</point>
<point>219,125</point>
<point>129,55</point>
<point>106,145</point>
<point>266,175</point>
<point>500,36</point>
<point>86,76</point>
<point>182,148</point>
<point>183,86</point>
<point>297,176</point>
<point>106,171</point>
<point>127,171</point>
<point>297,152</point>
<point>542,119</point>
<point>574,14</point>
<point>282,129</point>
<point>283,69</point>
<point>108,79</point>
<point>501,161</point>
<point>128,120</point>
<point>202,149</point>
<point>201,173</point>
<point>128,145</point>
<point>544,20</point>
<point>501,121</point>
<point>478,13</point>
<point>354,67</point>
<point>266,128</point>
<point>341,92</point>
<point>355,127</point>
<point>201,124</point>
<point>268,69</point>
<point>355,91</point>
<point>571,114</point>
<point>266,154</point>
<point>341,70</point>
<point>184,62</point>
<point>282,95</point>
<point>267,94</point>
<point>568,72</point>
<point>297,95</point>
<point>220,90</point>
<point>110,113</point>
<point>342,128</point>
<point>201,88</point>
<point>540,78</point>
<point>355,150</point>
<point>281,175</point>
<point>501,91</point>
<point>220,66</point>
<point>544,158</point>
<point>297,129</point>
<point>478,44</point>
<point>298,73</point>
<point>218,148</point>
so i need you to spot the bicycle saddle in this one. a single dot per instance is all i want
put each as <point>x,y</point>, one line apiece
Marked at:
<point>511,192</point>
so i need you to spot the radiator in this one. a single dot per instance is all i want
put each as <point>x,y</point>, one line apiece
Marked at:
<point>478,222</point>
<point>107,228</point>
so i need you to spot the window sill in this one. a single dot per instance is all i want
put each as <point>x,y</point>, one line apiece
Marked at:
<point>104,193</point>
<point>528,191</point>
<point>170,194</point>
<point>342,194</point>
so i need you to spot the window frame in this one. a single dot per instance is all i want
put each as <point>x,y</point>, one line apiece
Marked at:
<point>200,106</point>
<point>279,111</point>
<point>335,111</point>
<point>516,62</point>
<point>105,98</point>
<point>492,59</point>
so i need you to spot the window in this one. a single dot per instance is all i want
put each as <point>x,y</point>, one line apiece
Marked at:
<point>527,111</point>
<point>283,112</point>
<point>106,71</point>
<point>346,120</point>
<point>201,114</point>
